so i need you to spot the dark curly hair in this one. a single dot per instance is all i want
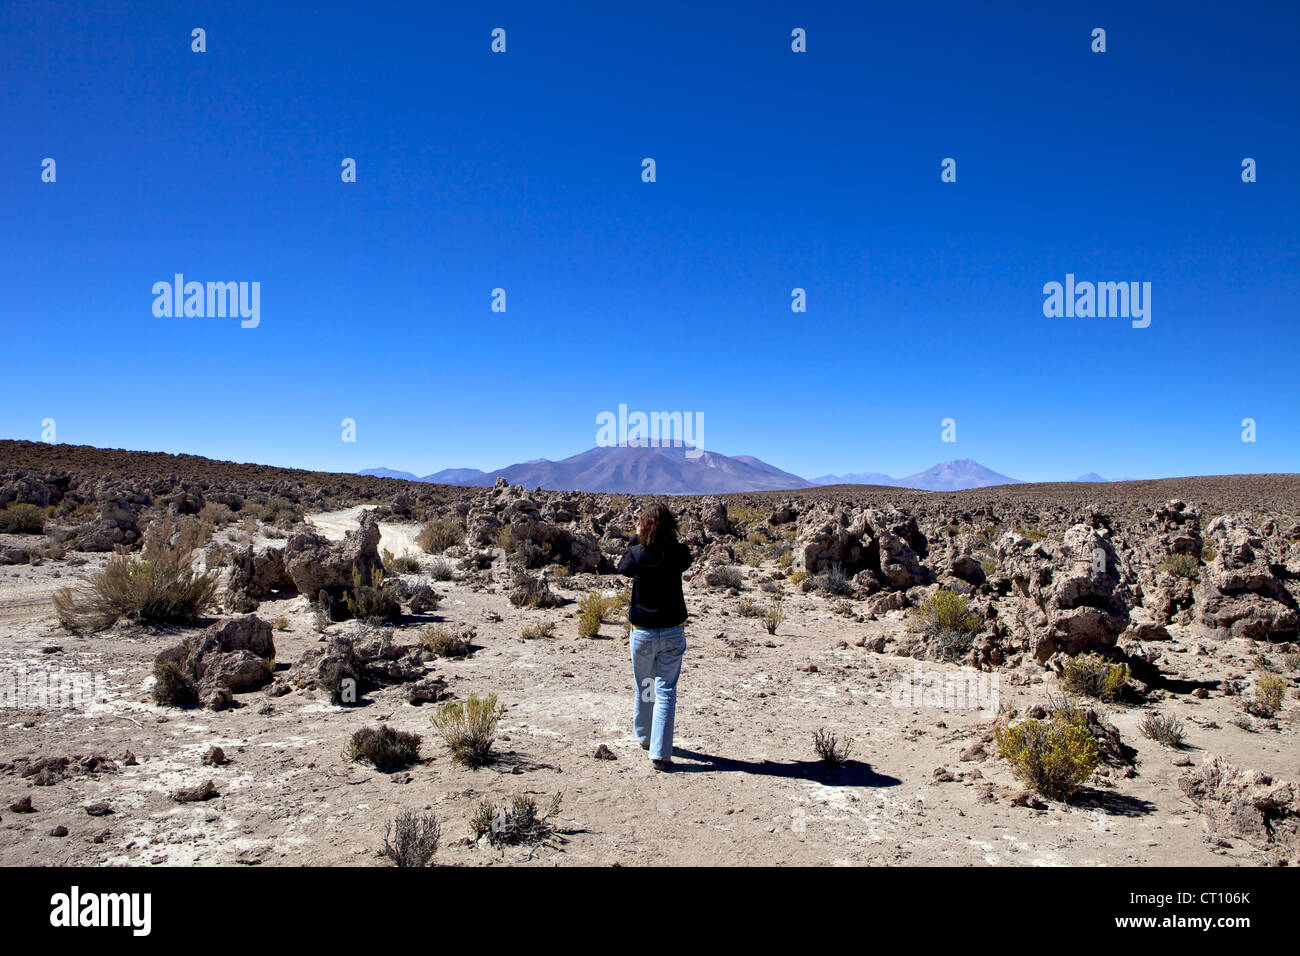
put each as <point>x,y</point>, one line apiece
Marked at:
<point>657,526</point>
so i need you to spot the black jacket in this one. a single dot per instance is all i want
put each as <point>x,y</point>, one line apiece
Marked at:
<point>656,584</point>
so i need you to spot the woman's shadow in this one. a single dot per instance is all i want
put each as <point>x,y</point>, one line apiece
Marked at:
<point>852,773</point>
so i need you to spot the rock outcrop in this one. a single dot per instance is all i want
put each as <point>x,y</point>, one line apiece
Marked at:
<point>232,656</point>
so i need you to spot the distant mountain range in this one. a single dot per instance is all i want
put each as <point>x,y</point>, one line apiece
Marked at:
<point>650,470</point>
<point>945,476</point>
<point>667,470</point>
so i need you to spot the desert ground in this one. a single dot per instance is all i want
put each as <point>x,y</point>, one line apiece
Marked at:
<point>1052,572</point>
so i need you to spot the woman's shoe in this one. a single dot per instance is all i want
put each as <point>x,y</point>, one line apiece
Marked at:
<point>664,765</point>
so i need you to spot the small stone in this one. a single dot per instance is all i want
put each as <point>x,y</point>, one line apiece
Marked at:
<point>59,831</point>
<point>204,791</point>
<point>99,809</point>
<point>23,805</point>
<point>215,757</point>
<point>604,753</point>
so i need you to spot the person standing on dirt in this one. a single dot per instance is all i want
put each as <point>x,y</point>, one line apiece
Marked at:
<point>655,561</point>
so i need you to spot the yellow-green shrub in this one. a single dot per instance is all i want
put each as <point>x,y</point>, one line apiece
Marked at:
<point>1054,756</point>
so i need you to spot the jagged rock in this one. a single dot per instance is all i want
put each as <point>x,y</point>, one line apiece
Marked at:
<point>427,690</point>
<point>1239,590</point>
<point>204,791</point>
<point>229,656</point>
<point>714,519</point>
<point>254,577</point>
<point>1065,598</point>
<point>1142,626</point>
<point>315,564</point>
<point>1248,805</point>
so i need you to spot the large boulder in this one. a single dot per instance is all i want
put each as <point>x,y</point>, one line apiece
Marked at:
<point>888,545</point>
<point>829,538</point>
<point>1066,597</point>
<point>227,657</point>
<point>315,564</point>
<point>1239,591</point>
<point>256,576</point>
<point>714,519</point>
<point>1247,805</point>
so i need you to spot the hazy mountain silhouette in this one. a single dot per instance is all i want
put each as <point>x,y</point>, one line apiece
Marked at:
<point>667,470</point>
<point>864,478</point>
<point>664,470</point>
<point>954,476</point>
<point>453,476</point>
<point>390,473</point>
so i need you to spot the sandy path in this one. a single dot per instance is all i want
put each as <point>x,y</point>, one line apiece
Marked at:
<point>397,537</point>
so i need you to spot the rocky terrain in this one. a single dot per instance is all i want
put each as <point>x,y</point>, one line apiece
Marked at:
<point>810,611</point>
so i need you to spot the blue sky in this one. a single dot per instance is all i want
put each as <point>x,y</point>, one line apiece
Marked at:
<point>775,170</point>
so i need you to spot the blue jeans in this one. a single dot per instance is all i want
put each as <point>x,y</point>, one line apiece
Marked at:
<point>656,663</point>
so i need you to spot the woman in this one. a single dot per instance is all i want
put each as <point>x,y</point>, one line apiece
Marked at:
<point>655,561</point>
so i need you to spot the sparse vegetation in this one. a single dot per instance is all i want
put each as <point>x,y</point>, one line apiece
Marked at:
<point>23,519</point>
<point>1091,675</point>
<point>439,534</point>
<point>401,564</point>
<point>774,617</point>
<point>340,681</point>
<point>727,576</point>
<point>412,839</point>
<point>216,514</point>
<point>1270,692</point>
<point>532,591</point>
<point>1055,756</point>
<point>281,623</point>
<point>444,642</point>
<point>539,630</point>
<point>160,587</point>
<point>597,608</point>
<point>749,608</point>
<point>440,569</point>
<point>1183,566</point>
<point>1167,730</point>
<point>830,750</point>
<point>833,581</point>
<point>797,577</point>
<point>172,686</point>
<point>516,825</point>
<point>505,540</point>
<point>372,602</point>
<point>949,611</point>
<point>387,749</point>
<point>946,618</point>
<point>469,727</point>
